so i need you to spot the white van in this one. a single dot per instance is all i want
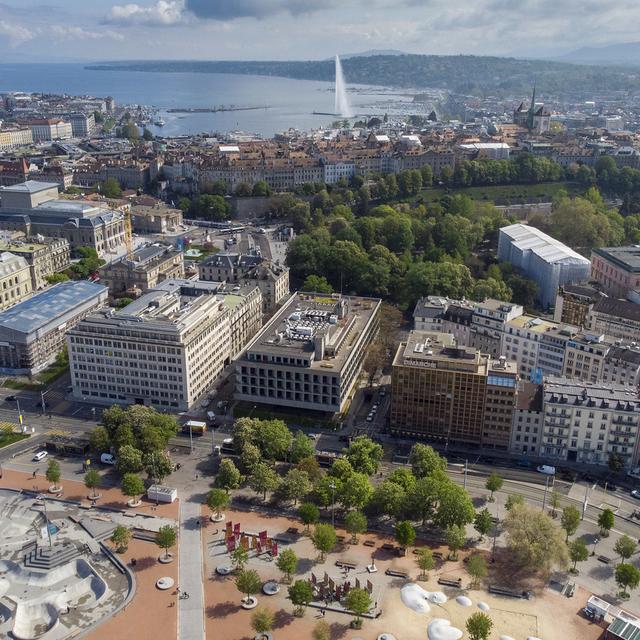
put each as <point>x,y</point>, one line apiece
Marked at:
<point>547,470</point>
<point>107,458</point>
<point>41,455</point>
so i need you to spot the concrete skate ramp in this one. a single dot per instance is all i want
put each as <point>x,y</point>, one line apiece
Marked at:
<point>33,619</point>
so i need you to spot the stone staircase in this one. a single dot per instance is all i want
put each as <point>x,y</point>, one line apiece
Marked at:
<point>48,558</point>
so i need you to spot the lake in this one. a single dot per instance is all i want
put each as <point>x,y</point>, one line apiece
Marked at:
<point>290,103</point>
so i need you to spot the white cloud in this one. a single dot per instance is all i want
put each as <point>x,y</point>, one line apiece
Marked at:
<point>162,13</point>
<point>79,33</point>
<point>15,33</point>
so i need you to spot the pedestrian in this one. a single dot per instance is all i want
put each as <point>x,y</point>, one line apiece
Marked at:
<point>324,613</point>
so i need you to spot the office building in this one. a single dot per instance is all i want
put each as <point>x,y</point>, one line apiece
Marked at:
<point>309,355</point>
<point>33,332</point>
<point>48,129</point>
<point>45,256</point>
<point>155,219</point>
<point>585,422</point>
<point>451,394</point>
<point>83,125</point>
<point>15,279</point>
<point>272,279</point>
<point>528,419</point>
<point>488,323</point>
<point>616,269</point>
<point>165,349</point>
<point>35,208</point>
<point>149,266</point>
<point>540,257</point>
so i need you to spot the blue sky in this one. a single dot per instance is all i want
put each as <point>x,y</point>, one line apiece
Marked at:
<point>36,30</point>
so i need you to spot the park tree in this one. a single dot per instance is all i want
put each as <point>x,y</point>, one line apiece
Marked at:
<point>296,485</point>
<point>132,486</point>
<point>388,499</point>
<point>358,601</point>
<point>273,439</point>
<point>309,514</point>
<point>355,522</point>
<point>302,447</point>
<point>605,522</point>
<point>323,539</point>
<point>262,620</point>
<point>625,547</point>
<point>424,460</point>
<point>248,582</point>
<point>264,479</point>
<point>250,457</point>
<point>99,440</point>
<point>166,538</point>
<point>425,561</point>
<point>311,467</point>
<point>92,481</point>
<point>239,558</point>
<point>228,476</point>
<point>322,631</point>
<point>327,489</point>
<point>513,500</point>
<point>300,594</point>
<point>454,506</point>
<point>356,492</point>
<point>217,500</point>
<point>479,626</point>
<point>341,469</point>
<point>129,459</point>
<point>405,534</point>
<point>535,542</point>
<point>403,477</point>
<point>578,552</point>
<point>456,538</point>
<point>570,520</point>
<point>317,284</point>
<point>143,427</point>
<point>421,502</point>
<point>627,577</point>
<point>53,473</point>
<point>476,568</point>
<point>616,462</point>
<point>287,562</point>
<point>120,537</point>
<point>364,455</point>
<point>493,484</point>
<point>483,523</point>
<point>158,465</point>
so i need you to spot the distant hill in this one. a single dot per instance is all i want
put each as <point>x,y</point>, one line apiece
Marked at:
<point>373,52</point>
<point>469,75</point>
<point>624,53</point>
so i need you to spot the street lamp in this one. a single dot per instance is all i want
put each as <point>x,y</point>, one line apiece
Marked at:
<point>46,516</point>
<point>595,542</point>
<point>332,486</point>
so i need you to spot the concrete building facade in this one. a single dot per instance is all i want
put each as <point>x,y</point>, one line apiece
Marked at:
<point>309,355</point>
<point>616,269</point>
<point>15,279</point>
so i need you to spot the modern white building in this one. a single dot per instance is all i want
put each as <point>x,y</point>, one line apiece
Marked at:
<point>309,355</point>
<point>49,129</point>
<point>542,258</point>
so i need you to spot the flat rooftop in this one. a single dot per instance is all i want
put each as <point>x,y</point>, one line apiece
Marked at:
<point>338,321</point>
<point>528,238</point>
<point>52,303</point>
<point>30,186</point>
<point>627,258</point>
<point>534,324</point>
<point>557,388</point>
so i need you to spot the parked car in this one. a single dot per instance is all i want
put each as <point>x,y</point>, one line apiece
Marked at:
<point>635,494</point>
<point>314,436</point>
<point>107,458</point>
<point>41,455</point>
<point>10,399</point>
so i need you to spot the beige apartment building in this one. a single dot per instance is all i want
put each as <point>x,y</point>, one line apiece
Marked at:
<point>151,265</point>
<point>309,355</point>
<point>15,279</point>
<point>155,219</point>
<point>164,350</point>
<point>616,269</point>
<point>45,256</point>
<point>447,393</point>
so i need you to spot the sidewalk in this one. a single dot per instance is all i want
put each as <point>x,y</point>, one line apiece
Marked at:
<point>191,610</point>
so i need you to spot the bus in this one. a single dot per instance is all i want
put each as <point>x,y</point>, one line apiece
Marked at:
<point>194,427</point>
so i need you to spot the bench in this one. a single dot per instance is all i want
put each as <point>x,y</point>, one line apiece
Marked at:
<point>438,555</point>
<point>457,584</point>
<point>604,559</point>
<point>510,593</point>
<point>369,543</point>
<point>388,547</point>
<point>396,574</point>
<point>292,530</point>
<point>346,563</point>
<point>340,539</point>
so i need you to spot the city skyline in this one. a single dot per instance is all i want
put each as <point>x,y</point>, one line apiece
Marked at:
<point>297,29</point>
